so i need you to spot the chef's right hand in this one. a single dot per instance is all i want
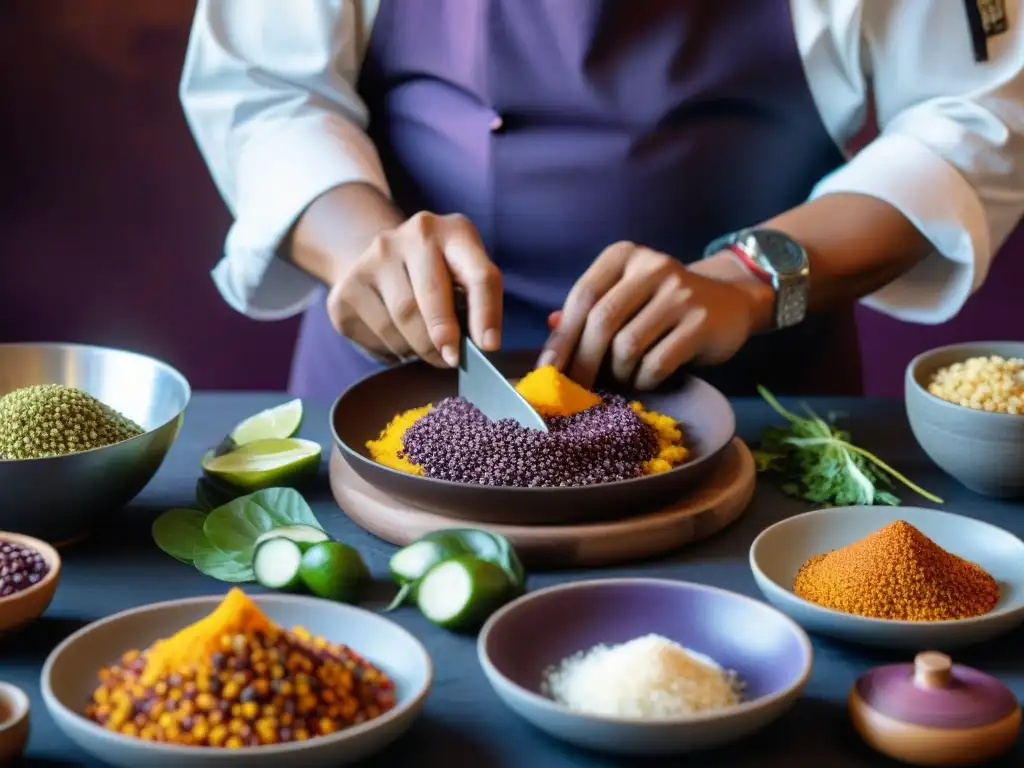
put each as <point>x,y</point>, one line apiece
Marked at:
<point>397,301</point>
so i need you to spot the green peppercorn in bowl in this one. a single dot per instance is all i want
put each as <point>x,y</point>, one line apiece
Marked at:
<point>83,429</point>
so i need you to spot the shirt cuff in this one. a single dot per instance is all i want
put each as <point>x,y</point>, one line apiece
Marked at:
<point>281,168</point>
<point>937,200</point>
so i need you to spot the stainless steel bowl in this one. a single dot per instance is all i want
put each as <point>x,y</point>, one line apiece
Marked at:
<point>58,499</point>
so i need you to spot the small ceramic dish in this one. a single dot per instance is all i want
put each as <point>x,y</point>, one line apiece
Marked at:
<point>29,604</point>
<point>777,554</point>
<point>14,722</point>
<point>984,451</point>
<point>69,679</point>
<point>769,653</point>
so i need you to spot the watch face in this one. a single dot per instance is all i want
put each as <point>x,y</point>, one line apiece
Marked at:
<point>783,254</point>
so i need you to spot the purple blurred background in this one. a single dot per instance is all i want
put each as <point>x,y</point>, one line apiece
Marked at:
<point>110,223</point>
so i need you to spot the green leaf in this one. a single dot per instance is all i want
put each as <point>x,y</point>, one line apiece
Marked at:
<point>225,567</point>
<point>178,531</point>
<point>234,527</point>
<point>818,462</point>
<point>210,494</point>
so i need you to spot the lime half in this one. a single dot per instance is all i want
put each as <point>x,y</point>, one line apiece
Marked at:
<point>265,463</point>
<point>279,422</point>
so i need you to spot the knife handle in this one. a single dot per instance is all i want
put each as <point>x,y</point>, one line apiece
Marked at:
<point>461,308</point>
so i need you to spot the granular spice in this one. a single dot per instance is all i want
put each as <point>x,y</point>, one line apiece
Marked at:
<point>235,679</point>
<point>897,573</point>
<point>53,420</point>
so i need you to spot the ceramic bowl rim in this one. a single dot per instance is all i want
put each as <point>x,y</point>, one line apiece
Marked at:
<point>400,710</point>
<point>923,357</point>
<point>20,706</point>
<point>351,455</point>
<point>170,369</point>
<point>871,620</point>
<point>551,706</point>
<point>51,556</point>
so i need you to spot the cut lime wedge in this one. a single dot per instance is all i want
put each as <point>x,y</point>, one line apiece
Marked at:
<point>265,463</point>
<point>279,422</point>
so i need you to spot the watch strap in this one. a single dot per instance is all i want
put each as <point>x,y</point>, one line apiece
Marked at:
<point>791,290</point>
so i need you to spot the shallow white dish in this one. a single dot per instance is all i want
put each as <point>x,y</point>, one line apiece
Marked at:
<point>69,678</point>
<point>777,554</point>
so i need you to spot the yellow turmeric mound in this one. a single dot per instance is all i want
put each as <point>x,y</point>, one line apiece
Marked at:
<point>235,679</point>
<point>552,393</point>
<point>897,573</point>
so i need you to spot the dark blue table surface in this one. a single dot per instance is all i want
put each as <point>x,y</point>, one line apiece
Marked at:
<point>464,724</point>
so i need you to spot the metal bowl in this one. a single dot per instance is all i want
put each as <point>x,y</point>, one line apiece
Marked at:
<point>58,499</point>
<point>365,409</point>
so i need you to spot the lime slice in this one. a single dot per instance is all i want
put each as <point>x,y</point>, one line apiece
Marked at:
<point>279,422</point>
<point>265,463</point>
<point>335,571</point>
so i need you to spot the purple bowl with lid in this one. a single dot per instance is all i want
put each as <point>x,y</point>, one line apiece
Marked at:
<point>768,651</point>
<point>934,712</point>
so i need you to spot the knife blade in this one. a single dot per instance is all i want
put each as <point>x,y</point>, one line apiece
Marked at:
<point>483,385</point>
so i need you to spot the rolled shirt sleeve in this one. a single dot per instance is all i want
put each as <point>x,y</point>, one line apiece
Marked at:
<point>279,122</point>
<point>950,152</point>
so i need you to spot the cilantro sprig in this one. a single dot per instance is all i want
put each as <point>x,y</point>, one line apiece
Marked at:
<point>818,462</point>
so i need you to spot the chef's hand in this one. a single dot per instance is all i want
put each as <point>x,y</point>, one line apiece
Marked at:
<point>652,315</point>
<point>397,301</point>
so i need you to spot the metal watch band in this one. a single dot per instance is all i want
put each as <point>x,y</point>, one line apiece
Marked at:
<point>791,289</point>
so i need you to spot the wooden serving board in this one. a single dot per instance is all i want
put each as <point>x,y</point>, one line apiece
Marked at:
<point>718,501</point>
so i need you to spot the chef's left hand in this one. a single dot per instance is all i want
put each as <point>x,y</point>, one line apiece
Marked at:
<point>652,314</point>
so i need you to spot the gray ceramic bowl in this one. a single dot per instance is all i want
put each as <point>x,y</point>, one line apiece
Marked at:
<point>777,554</point>
<point>984,451</point>
<point>769,652</point>
<point>366,407</point>
<point>69,678</point>
<point>59,499</point>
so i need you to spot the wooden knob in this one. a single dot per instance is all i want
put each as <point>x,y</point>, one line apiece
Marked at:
<point>932,670</point>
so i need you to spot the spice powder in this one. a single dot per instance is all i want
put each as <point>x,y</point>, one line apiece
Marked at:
<point>897,573</point>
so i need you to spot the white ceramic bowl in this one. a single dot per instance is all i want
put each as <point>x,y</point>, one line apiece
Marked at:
<point>777,554</point>
<point>770,654</point>
<point>69,678</point>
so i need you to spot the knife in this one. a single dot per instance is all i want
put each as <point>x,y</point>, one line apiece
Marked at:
<point>483,385</point>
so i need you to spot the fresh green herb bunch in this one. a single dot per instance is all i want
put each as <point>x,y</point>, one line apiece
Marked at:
<point>54,420</point>
<point>819,463</point>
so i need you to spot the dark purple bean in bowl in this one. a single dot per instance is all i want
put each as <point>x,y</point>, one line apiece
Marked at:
<point>360,414</point>
<point>29,574</point>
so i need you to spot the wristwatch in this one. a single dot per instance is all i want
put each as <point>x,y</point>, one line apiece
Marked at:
<point>777,259</point>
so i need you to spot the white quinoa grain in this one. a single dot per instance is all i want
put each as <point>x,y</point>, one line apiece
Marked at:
<point>994,384</point>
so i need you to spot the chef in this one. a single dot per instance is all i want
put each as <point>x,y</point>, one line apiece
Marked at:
<point>628,186</point>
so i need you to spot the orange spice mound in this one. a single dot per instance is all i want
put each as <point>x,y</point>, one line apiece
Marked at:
<point>897,573</point>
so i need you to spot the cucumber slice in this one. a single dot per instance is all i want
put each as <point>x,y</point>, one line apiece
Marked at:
<point>460,593</point>
<point>303,535</point>
<point>411,563</point>
<point>276,564</point>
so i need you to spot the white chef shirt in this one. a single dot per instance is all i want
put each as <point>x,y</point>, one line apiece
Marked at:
<point>269,90</point>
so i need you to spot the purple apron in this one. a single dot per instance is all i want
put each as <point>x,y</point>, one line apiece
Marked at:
<point>562,126</point>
